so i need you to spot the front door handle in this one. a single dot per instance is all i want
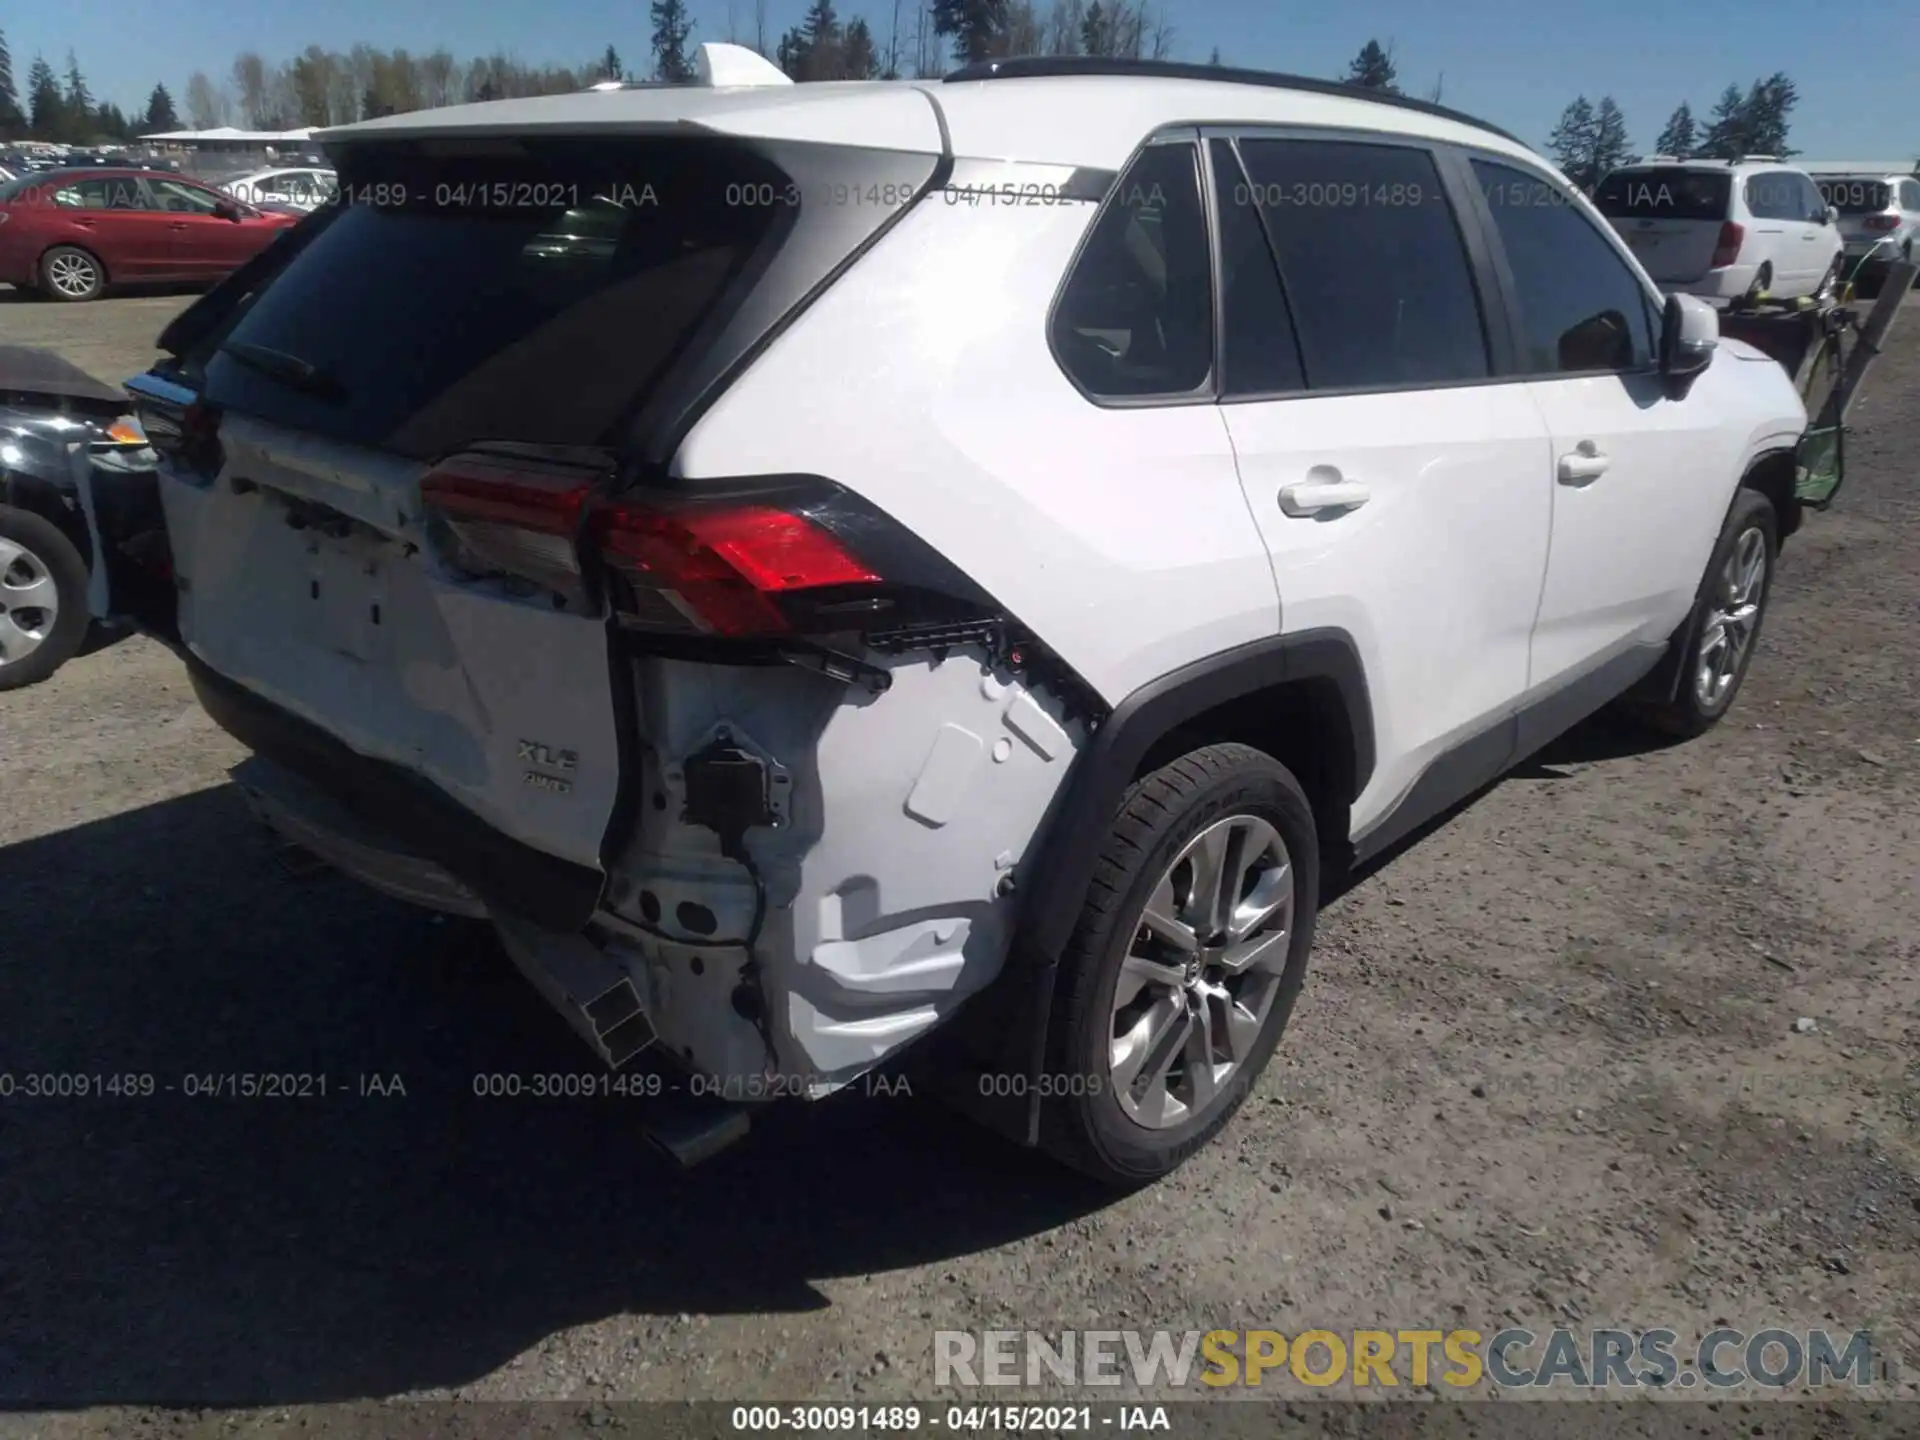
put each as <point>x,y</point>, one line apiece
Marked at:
<point>1312,496</point>
<point>1584,465</point>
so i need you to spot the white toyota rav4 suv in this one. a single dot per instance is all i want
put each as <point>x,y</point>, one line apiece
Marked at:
<point>813,565</point>
<point>1726,231</point>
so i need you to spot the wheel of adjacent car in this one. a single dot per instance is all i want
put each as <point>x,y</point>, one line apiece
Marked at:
<point>1184,966</point>
<point>1762,279</point>
<point>43,599</point>
<point>69,273</point>
<point>1724,629</point>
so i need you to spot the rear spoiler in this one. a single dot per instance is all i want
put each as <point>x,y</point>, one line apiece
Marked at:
<point>188,330</point>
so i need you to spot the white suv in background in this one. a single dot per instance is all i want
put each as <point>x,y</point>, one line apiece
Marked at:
<point>1879,216</point>
<point>959,590</point>
<point>1747,231</point>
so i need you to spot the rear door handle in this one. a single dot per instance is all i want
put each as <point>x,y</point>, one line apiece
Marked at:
<point>1312,496</point>
<point>1584,465</point>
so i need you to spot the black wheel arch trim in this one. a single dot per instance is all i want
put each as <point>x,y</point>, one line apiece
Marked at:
<point>1057,884</point>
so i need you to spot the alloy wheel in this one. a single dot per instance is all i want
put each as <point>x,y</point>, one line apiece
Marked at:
<point>1201,971</point>
<point>1727,630</point>
<point>73,275</point>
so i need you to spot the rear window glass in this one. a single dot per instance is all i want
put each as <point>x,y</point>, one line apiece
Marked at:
<point>1857,197</point>
<point>1664,194</point>
<point>534,293</point>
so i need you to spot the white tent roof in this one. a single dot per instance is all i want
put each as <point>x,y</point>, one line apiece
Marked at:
<point>234,136</point>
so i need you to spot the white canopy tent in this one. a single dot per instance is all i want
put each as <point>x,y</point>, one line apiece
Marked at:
<point>228,135</point>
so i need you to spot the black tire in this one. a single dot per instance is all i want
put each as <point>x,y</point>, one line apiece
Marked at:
<point>54,553</point>
<point>1082,1122</point>
<point>74,259</point>
<point>1690,712</point>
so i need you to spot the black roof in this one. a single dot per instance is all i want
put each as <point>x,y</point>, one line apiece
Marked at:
<point>1031,67</point>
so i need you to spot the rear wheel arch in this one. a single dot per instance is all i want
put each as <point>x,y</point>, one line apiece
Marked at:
<point>1301,698</point>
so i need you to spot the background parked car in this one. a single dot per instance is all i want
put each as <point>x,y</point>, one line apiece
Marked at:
<point>1725,231</point>
<point>72,233</point>
<point>1879,216</point>
<point>305,187</point>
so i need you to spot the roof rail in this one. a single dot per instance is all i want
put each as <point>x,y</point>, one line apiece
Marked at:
<point>1036,67</point>
<point>1658,160</point>
<point>1745,158</point>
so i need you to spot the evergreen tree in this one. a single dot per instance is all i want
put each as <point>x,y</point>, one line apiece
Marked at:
<point>12,120</point>
<point>79,103</point>
<point>48,110</point>
<point>1767,108</point>
<point>976,28</point>
<point>672,27</point>
<point>161,116</point>
<point>1609,151</point>
<point>1726,137</point>
<point>1571,143</point>
<point>859,60</point>
<point>1681,136</point>
<point>1373,69</point>
<point>610,68</point>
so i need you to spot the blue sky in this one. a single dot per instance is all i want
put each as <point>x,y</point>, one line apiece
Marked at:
<point>1857,64</point>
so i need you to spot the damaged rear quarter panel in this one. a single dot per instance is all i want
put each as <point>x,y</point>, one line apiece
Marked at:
<point>891,884</point>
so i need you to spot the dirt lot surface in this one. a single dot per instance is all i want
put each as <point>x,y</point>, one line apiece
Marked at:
<point>1547,1070</point>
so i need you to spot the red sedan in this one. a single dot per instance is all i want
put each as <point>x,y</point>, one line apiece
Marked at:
<point>72,233</point>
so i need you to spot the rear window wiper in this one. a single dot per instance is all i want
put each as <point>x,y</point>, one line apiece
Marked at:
<point>289,370</point>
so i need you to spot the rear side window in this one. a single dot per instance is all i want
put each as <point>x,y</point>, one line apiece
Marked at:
<point>100,192</point>
<point>533,294</point>
<point>1371,261</point>
<point>1664,193</point>
<point>1135,318</point>
<point>1851,196</point>
<point>1776,195</point>
<point>1581,307</point>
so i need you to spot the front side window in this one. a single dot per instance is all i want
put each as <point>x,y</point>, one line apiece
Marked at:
<point>176,198</point>
<point>1581,306</point>
<point>1136,316</point>
<point>1371,261</point>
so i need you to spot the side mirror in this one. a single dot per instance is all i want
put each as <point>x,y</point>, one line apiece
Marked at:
<point>1833,215</point>
<point>1689,334</point>
<point>227,210</point>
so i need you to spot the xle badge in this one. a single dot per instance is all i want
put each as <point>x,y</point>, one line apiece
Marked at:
<point>532,752</point>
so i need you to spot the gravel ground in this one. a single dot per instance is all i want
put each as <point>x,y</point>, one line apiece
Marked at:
<point>1546,1070</point>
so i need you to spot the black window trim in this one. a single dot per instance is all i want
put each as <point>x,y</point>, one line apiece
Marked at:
<point>1510,291</point>
<point>1207,392</point>
<point>1495,321</point>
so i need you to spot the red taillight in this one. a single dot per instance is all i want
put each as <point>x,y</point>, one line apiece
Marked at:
<point>1882,222</point>
<point>712,567</point>
<point>718,565</point>
<point>512,517</point>
<point>1726,249</point>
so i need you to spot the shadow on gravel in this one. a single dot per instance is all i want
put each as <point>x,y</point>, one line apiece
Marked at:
<point>226,1250</point>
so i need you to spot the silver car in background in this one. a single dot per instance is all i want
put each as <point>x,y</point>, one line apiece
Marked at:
<point>1879,216</point>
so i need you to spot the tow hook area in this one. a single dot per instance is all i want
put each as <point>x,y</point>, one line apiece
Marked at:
<point>692,1131</point>
<point>595,995</point>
